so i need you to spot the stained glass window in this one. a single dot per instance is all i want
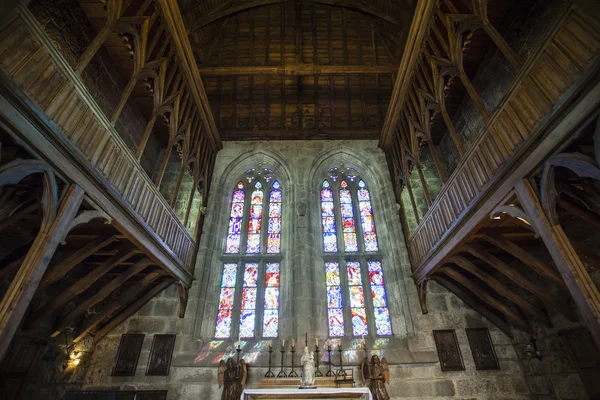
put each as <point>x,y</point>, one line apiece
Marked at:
<point>382,313</point>
<point>271,314</point>
<point>328,218</point>
<point>255,219</point>
<point>248,312</point>
<point>348,222</point>
<point>258,195</point>
<point>357,299</point>
<point>235,219</point>
<point>366,217</point>
<point>226,298</point>
<point>334,299</point>
<point>274,238</point>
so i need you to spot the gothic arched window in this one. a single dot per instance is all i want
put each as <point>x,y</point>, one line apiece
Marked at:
<point>249,297</point>
<point>352,257</point>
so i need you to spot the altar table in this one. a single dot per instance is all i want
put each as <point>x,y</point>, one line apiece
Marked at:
<point>319,393</point>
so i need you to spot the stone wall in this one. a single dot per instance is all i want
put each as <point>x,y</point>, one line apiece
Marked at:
<point>300,167</point>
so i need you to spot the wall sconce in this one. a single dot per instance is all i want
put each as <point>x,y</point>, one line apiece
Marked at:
<point>532,351</point>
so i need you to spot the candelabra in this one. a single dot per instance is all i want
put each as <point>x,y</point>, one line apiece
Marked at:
<point>341,372</point>
<point>330,372</point>
<point>293,373</point>
<point>318,372</point>
<point>282,373</point>
<point>270,373</point>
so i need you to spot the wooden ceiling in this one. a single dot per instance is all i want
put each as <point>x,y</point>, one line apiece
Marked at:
<point>309,69</point>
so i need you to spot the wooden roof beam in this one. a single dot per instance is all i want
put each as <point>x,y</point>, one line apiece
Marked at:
<point>349,4</point>
<point>298,69</point>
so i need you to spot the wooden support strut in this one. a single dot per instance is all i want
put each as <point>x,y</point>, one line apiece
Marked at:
<point>578,281</point>
<point>501,289</point>
<point>537,265</point>
<point>25,283</point>
<point>521,280</point>
<point>296,69</point>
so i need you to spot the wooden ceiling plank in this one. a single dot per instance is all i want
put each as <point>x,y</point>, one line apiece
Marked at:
<point>502,289</point>
<point>116,304</point>
<point>100,295</point>
<point>62,267</point>
<point>125,251</point>
<point>526,257</point>
<point>512,316</point>
<point>521,280</point>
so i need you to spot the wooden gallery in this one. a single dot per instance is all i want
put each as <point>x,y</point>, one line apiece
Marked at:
<point>299,199</point>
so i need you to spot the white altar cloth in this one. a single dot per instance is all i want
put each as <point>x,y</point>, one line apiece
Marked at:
<point>319,393</point>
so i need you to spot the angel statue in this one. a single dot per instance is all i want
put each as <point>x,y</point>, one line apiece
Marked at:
<point>308,369</point>
<point>233,375</point>
<point>378,372</point>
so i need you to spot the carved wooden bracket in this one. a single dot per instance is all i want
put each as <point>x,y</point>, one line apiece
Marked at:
<point>13,172</point>
<point>183,298</point>
<point>86,216</point>
<point>583,166</point>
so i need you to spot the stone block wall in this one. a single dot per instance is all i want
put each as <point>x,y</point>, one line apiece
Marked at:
<point>300,166</point>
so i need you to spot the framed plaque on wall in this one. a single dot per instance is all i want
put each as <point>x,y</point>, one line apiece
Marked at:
<point>482,349</point>
<point>161,353</point>
<point>128,354</point>
<point>448,350</point>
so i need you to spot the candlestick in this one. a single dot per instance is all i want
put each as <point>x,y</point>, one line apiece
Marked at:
<point>239,350</point>
<point>293,373</point>
<point>306,339</point>
<point>341,372</point>
<point>329,372</point>
<point>317,371</point>
<point>282,373</point>
<point>269,373</point>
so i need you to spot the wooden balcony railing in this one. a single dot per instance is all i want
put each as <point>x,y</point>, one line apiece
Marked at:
<point>568,48</point>
<point>28,56</point>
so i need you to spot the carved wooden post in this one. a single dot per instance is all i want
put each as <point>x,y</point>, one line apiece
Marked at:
<point>54,227</point>
<point>578,281</point>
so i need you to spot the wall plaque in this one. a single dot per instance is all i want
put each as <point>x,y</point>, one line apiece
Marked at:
<point>448,350</point>
<point>482,348</point>
<point>161,353</point>
<point>128,354</point>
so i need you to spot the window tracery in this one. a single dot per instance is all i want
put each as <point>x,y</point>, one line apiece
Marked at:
<point>255,310</point>
<point>352,260</point>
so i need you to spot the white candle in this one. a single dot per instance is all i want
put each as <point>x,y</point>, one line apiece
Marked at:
<point>292,342</point>
<point>317,341</point>
<point>283,343</point>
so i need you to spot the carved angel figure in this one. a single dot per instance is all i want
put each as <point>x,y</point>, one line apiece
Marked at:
<point>378,373</point>
<point>233,375</point>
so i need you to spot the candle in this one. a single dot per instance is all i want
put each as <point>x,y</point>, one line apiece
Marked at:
<point>283,343</point>
<point>292,342</point>
<point>317,341</point>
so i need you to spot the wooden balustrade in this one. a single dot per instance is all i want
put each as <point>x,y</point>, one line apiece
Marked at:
<point>567,50</point>
<point>58,90</point>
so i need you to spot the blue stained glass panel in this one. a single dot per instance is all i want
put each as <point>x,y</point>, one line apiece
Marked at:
<point>326,195</point>
<point>359,322</point>
<point>253,245</point>
<point>345,196</point>
<point>256,211</point>
<point>274,225</point>
<point>350,242</point>
<point>275,210</point>
<point>270,323</point>
<point>347,211</point>
<point>237,210</point>
<point>327,209</point>
<point>329,224</point>
<point>247,318</point>
<point>233,244</point>
<point>249,298</point>
<point>239,196</point>
<point>276,196</point>
<point>367,220</point>
<point>382,322</point>
<point>379,297</point>
<point>332,273</point>
<point>363,195</point>
<point>223,328</point>
<point>370,242</point>
<point>336,322</point>
<point>330,242</point>
<point>272,298</point>
<point>229,274</point>
<point>274,243</point>
<point>334,297</point>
